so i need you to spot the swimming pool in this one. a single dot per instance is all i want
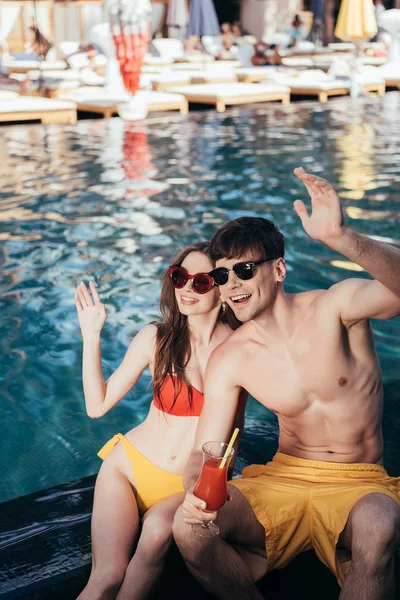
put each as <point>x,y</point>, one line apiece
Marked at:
<point>113,202</point>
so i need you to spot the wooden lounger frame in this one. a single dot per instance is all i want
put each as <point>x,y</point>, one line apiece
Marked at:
<point>204,79</point>
<point>393,83</point>
<point>221,102</point>
<point>323,95</point>
<point>160,86</point>
<point>65,115</point>
<point>111,109</point>
<point>248,78</point>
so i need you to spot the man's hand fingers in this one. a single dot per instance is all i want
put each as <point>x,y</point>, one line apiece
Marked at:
<point>309,177</point>
<point>315,185</point>
<point>195,501</point>
<point>202,515</point>
<point>193,521</point>
<point>301,210</point>
<point>198,517</point>
<point>191,511</point>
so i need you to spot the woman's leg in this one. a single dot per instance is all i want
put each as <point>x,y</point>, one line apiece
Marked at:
<point>115,525</point>
<point>146,566</point>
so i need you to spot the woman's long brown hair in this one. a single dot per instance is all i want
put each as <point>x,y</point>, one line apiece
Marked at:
<point>173,349</point>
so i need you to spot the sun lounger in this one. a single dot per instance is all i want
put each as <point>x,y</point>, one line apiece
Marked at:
<point>313,83</point>
<point>160,81</point>
<point>187,66</point>
<point>169,48</point>
<point>214,75</point>
<point>195,58</point>
<point>317,83</point>
<point>28,108</point>
<point>298,62</point>
<point>224,94</point>
<point>156,61</point>
<point>390,72</point>
<point>23,66</point>
<point>342,46</point>
<point>254,74</point>
<point>102,101</point>
<point>8,94</point>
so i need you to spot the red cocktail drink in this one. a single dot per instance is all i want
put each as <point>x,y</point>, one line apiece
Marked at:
<point>212,485</point>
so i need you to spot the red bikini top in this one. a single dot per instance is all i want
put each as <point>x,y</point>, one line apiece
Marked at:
<point>181,407</point>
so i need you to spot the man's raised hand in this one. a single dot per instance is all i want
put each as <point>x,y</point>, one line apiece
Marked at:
<point>326,220</point>
<point>91,312</point>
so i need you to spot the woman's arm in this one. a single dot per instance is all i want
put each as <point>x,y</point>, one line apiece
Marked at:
<point>100,395</point>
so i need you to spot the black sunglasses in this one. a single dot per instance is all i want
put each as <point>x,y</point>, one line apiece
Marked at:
<point>242,270</point>
<point>201,282</point>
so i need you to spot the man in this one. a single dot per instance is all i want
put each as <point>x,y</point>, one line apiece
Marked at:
<point>310,358</point>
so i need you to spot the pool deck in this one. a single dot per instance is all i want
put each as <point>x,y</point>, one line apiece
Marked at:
<point>45,554</point>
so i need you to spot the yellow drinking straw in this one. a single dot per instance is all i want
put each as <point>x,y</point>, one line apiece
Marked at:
<point>229,448</point>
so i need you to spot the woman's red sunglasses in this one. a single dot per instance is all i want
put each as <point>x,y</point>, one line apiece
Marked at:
<point>201,282</point>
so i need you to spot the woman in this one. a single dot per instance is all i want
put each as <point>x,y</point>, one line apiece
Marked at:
<point>141,476</point>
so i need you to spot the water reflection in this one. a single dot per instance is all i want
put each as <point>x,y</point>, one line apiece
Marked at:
<point>112,202</point>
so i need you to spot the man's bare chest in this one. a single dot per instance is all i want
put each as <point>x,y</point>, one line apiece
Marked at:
<point>289,378</point>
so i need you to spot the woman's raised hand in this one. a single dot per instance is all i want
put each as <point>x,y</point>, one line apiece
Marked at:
<point>91,312</point>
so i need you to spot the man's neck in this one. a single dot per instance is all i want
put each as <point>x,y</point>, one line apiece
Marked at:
<point>280,319</point>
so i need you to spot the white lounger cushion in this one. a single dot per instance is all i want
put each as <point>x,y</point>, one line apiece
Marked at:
<point>318,80</point>
<point>29,65</point>
<point>168,76</point>
<point>169,47</point>
<point>7,94</point>
<point>96,95</point>
<point>103,97</point>
<point>312,79</point>
<point>68,75</point>
<point>230,90</point>
<point>298,62</point>
<point>32,103</point>
<point>156,60</point>
<point>154,98</point>
<point>256,71</point>
<point>389,71</point>
<point>210,75</point>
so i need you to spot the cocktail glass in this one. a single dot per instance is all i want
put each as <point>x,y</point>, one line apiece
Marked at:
<point>212,484</point>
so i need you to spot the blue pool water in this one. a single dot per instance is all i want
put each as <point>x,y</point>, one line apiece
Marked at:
<point>113,202</point>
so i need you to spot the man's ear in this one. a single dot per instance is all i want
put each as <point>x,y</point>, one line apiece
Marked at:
<point>280,269</point>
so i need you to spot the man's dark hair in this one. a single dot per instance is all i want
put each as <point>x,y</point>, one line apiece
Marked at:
<point>247,234</point>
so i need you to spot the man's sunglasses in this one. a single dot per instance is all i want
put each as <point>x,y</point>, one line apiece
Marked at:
<point>201,282</point>
<point>242,270</point>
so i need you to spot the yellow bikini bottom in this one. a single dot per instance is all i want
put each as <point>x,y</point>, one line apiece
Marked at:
<point>152,483</point>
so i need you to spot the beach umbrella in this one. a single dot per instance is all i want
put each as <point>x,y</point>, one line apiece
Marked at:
<point>203,19</point>
<point>356,21</point>
<point>130,30</point>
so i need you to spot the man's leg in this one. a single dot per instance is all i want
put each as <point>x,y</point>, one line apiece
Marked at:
<point>213,561</point>
<point>372,534</point>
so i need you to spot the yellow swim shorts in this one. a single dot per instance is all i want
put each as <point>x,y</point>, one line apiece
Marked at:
<point>152,483</point>
<point>304,504</point>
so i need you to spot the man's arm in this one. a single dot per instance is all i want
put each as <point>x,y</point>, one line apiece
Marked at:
<point>356,298</point>
<point>221,396</point>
